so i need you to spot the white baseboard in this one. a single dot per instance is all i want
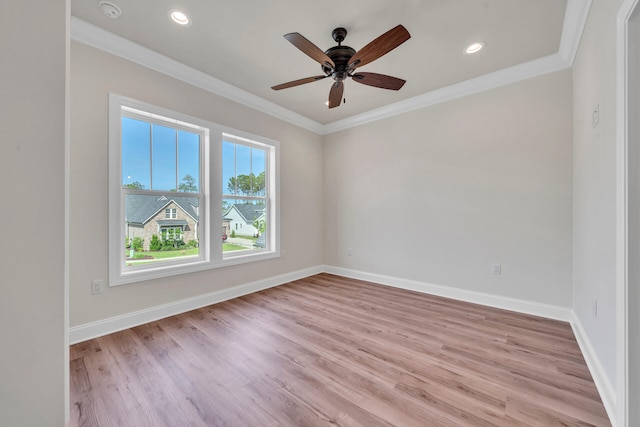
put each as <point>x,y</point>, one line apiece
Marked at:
<point>497,301</point>
<point>117,323</point>
<point>600,378</point>
<point>99,328</point>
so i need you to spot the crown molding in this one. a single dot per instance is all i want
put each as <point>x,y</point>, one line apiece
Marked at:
<point>493,80</point>
<point>574,21</point>
<point>94,36</point>
<point>575,18</point>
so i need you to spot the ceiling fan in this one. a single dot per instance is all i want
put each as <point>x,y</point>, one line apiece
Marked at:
<point>340,62</point>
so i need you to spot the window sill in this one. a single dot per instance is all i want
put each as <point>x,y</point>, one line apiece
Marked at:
<point>160,272</point>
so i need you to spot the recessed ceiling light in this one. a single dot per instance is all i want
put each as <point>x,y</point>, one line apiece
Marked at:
<point>179,17</point>
<point>474,47</point>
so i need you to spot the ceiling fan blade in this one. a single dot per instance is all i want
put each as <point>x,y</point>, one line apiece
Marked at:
<point>298,82</point>
<point>309,49</point>
<point>379,80</point>
<point>335,94</point>
<point>380,46</point>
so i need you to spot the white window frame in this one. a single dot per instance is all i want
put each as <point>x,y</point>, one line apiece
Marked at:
<point>210,210</point>
<point>247,142</point>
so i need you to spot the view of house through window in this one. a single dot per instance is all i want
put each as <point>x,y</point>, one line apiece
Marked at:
<point>244,203</point>
<point>161,186</point>
<point>173,181</point>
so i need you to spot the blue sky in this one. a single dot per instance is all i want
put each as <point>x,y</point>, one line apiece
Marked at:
<point>240,160</point>
<point>176,154</point>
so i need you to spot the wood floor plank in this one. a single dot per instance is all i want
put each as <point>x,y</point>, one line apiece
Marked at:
<point>333,351</point>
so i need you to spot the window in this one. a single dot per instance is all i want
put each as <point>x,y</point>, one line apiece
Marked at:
<point>171,234</point>
<point>173,180</point>
<point>245,189</point>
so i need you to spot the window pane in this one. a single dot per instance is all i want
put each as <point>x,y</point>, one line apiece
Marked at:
<point>244,170</point>
<point>160,228</point>
<point>244,225</point>
<point>243,160</point>
<point>164,158</point>
<point>258,168</point>
<point>188,161</point>
<point>136,153</point>
<point>229,184</point>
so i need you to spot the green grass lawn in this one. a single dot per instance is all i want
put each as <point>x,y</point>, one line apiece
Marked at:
<point>153,256</point>
<point>171,254</point>
<point>231,247</point>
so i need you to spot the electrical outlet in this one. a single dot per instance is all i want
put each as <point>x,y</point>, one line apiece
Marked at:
<point>595,308</point>
<point>97,286</point>
<point>496,268</point>
<point>349,251</point>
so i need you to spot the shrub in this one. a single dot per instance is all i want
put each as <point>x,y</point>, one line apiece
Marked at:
<point>167,245</point>
<point>171,244</point>
<point>155,244</point>
<point>233,233</point>
<point>137,244</point>
<point>192,243</point>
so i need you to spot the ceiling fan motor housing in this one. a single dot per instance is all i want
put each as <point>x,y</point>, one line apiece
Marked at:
<point>340,55</point>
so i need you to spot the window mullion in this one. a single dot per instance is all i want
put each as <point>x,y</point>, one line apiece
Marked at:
<point>177,160</point>
<point>150,156</point>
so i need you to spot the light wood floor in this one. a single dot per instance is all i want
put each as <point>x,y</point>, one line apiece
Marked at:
<point>330,351</point>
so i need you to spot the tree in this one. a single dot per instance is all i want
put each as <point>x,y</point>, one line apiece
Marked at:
<point>135,184</point>
<point>247,185</point>
<point>188,184</point>
<point>260,225</point>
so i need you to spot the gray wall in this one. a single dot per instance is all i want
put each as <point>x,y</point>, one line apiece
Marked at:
<point>93,75</point>
<point>594,195</point>
<point>33,41</point>
<point>439,194</point>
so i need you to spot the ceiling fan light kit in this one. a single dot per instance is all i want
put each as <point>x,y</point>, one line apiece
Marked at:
<point>340,62</point>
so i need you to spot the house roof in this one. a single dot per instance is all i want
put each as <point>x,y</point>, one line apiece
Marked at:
<point>171,222</point>
<point>248,211</point>
<point>140,208</point>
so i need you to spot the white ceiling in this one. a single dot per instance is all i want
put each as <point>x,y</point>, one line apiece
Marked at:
<point>239,45</point>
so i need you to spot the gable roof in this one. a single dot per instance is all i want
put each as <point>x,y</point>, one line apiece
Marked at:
<point>248,211</point>
<point>140,208</point>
